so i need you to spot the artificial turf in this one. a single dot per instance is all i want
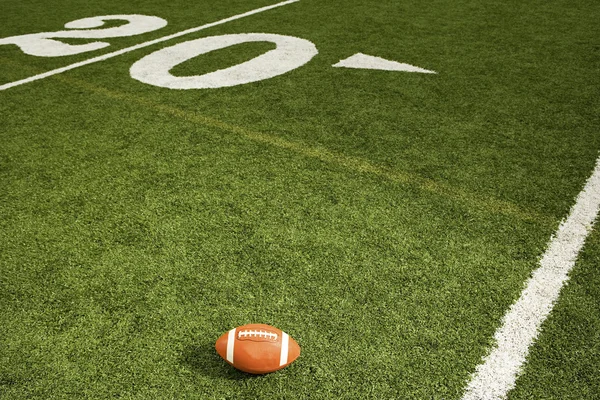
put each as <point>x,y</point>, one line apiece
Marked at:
<point>564,361</point>
<point>384,220</point>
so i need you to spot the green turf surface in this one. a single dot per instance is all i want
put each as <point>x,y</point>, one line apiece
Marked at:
<point>564,363</point>
<point>385,220</point>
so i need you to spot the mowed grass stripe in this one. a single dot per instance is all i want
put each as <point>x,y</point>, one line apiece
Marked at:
<point>356,164</point>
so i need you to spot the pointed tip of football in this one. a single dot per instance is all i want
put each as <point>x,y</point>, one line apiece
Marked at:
<point>221,346</point>
<point>293,351</point>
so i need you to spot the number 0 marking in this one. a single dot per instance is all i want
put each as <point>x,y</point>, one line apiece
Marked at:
<point>291,53</point>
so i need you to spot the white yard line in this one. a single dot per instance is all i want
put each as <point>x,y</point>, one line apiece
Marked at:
<point>140,46</point>
<point>496,376</point>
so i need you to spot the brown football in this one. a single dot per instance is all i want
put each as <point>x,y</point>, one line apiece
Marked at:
<point>257,348</point>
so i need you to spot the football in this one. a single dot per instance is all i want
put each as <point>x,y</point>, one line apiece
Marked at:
<point>257,348</point>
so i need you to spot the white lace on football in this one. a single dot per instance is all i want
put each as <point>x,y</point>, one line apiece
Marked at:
<point>257,334</point>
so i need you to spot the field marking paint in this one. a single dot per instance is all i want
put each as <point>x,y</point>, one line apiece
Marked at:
<point>365,61</point>
<point>496,376</point>
<point>43,44</point>
<point>290,53</point>
<point>142,45</point>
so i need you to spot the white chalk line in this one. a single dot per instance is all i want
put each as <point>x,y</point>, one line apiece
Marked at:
<point>141,45</point>
<point>496,376</point>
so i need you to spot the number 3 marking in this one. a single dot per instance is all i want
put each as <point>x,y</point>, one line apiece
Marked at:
<point>291,53</point>
<point>43,44</point>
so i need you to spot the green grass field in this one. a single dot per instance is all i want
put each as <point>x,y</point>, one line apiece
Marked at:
<point>385,220</point>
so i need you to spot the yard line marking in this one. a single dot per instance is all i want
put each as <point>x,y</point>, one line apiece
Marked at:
<point>496,376</point>
<point>141,45</point>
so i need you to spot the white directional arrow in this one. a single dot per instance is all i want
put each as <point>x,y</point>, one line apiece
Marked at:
<point>364,61</point>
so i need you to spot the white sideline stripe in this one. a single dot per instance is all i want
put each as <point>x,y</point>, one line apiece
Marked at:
<point>496,376</point>
<point>140,46</point>
<point>285,342</point>
<point>230,343</point>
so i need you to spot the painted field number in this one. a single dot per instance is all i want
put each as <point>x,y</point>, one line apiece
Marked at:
<point>154,69</point>
<point>44,44</point>
<point>290,53</point>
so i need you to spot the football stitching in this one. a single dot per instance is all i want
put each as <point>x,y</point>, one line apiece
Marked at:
<point>257,334</point>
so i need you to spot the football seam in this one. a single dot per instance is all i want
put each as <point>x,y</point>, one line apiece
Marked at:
<point>258,334</point>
